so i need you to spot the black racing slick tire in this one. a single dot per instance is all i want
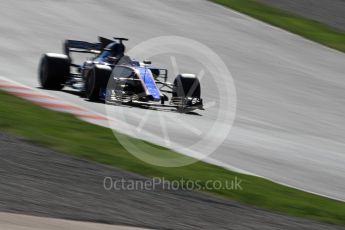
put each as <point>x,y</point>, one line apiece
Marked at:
<point>97,78</point>
<point>186,85</point>
<point>54,70</point>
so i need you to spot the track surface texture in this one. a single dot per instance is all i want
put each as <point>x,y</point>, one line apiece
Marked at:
<point>10,221</point>
<point>37,181</point>
<point>290,120</point>
<point>329,12</point>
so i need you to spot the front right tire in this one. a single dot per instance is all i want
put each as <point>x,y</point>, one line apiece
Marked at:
<point>186,93</point>
<point>186,85</point>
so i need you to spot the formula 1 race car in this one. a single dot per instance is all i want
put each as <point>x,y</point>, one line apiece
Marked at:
<point>113,77</point>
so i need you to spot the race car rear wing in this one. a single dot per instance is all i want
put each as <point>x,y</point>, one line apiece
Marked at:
<point>87,47</point>
<point>82,47</point>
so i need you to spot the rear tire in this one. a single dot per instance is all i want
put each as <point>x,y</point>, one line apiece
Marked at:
<point>54,71</point>
<point>97,78</point>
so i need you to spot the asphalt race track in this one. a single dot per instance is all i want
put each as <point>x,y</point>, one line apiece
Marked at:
<point>289,124</point>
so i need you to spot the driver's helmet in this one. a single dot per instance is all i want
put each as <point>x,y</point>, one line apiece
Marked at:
<point>116,49</point>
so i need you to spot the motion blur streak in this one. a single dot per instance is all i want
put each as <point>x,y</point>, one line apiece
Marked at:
<point>290,120</point>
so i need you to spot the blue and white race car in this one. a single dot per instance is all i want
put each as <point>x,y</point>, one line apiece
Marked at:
<point>113,77</point>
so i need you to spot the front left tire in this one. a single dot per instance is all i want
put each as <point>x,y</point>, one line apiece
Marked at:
<point>97,78</point>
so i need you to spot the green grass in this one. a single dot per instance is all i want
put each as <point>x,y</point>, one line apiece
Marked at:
<point>307,28</point>
<point>65,133</point>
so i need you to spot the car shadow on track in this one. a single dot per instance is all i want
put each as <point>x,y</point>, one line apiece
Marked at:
<point>81,95</point>
<point>153,108</point>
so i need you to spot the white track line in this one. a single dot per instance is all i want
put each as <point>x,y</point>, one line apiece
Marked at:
<point>48,101</point>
